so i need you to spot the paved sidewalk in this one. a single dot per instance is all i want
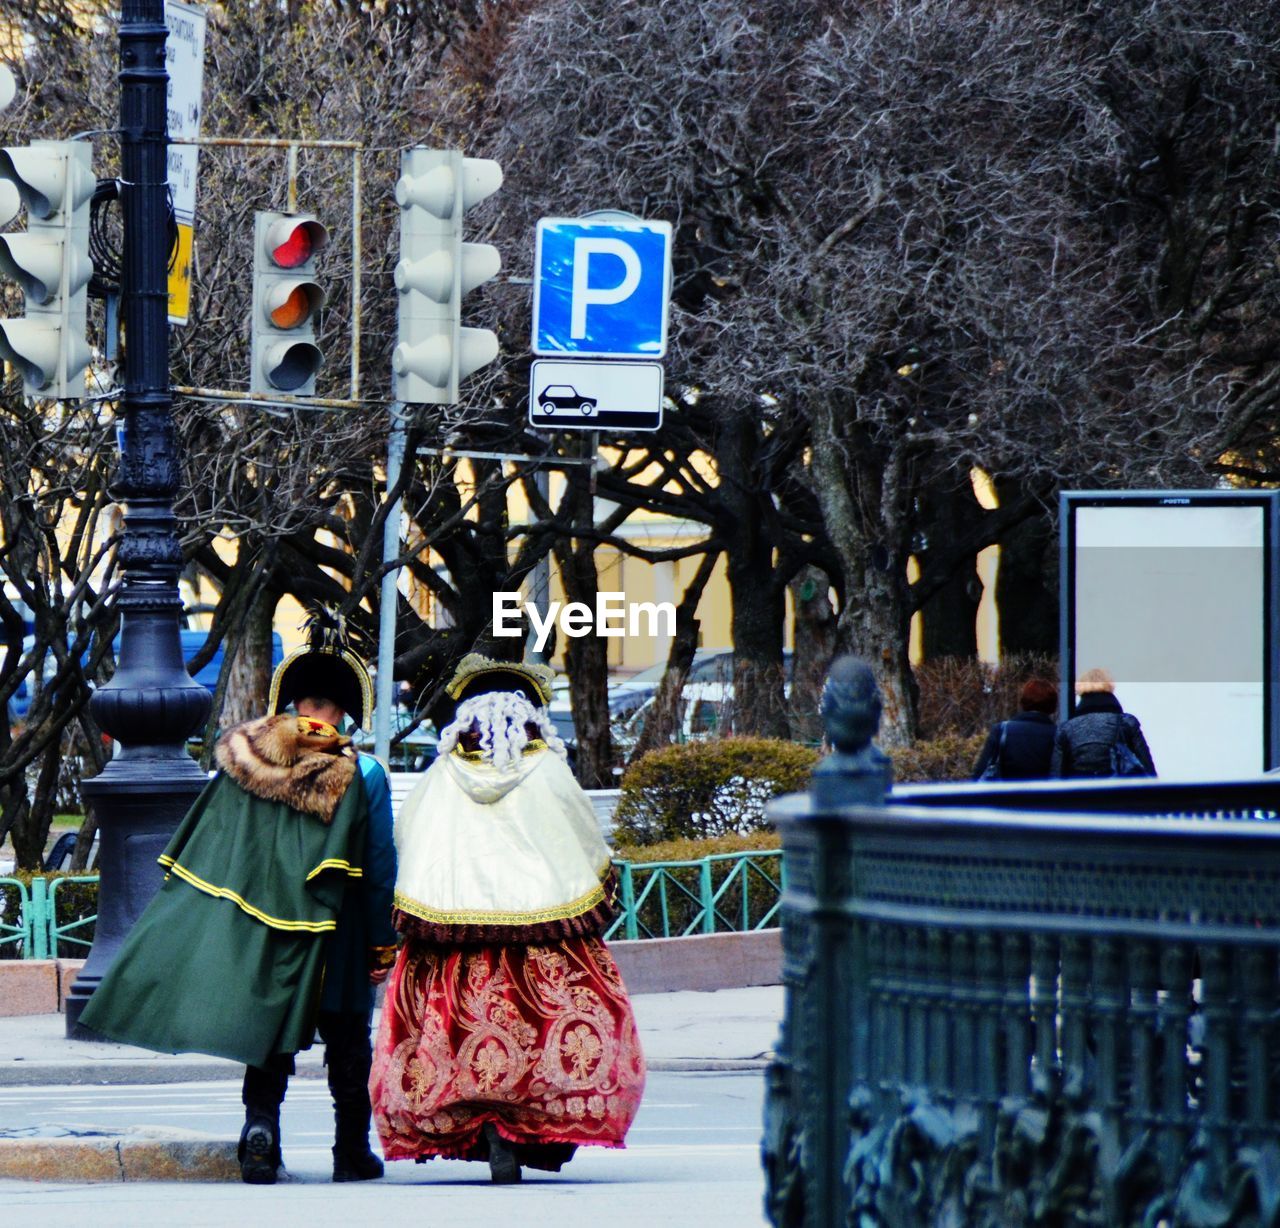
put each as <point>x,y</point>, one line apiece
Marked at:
<point>728,1029</point>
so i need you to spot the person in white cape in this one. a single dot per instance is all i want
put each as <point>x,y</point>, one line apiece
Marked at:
<point>506,1034</point>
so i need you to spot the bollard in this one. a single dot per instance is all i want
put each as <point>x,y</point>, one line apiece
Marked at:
<point>823,1030</point>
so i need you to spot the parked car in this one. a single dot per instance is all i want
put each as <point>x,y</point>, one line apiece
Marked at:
<point>708,696</point>
<point>710,665</point>
<point>414,752</point>
<point>706,709</point>
<point>59,857</point>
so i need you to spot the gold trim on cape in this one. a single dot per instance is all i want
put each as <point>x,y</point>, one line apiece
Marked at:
<point>575,908</point>
<point>225,893</point>
<point>336,863</point>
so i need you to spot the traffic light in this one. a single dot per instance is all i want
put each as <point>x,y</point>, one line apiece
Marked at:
<point>286,297</point>
<point>50,261</point>
<point>436,268</point>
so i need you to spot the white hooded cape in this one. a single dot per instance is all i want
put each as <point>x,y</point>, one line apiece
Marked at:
<point>517,845</point>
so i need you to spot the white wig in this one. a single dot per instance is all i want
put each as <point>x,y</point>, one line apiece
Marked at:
<point>500,717</point>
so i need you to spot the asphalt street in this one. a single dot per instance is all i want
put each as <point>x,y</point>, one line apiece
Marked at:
<point>692,1157</point>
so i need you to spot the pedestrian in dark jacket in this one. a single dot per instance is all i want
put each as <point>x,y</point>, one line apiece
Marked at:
<point>1101,737</point>
<point>1020,748</point>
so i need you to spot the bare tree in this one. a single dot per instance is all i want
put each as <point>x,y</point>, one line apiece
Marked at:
<point>909,232</point>
<point>57,558</point>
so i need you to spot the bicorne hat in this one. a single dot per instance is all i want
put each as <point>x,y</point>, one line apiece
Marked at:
<point>477,675</point>
<point>324,668</point>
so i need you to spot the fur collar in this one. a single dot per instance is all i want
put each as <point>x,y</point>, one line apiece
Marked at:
<point>269,758</point>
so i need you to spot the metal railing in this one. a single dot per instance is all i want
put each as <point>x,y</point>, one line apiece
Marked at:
<point>15,932</point>
<point>722,892</point>
<point>1054,997</point>
<point>68,934</point>
<point>1184,799</point>
<point>667,899</point>
<point>37,933</point>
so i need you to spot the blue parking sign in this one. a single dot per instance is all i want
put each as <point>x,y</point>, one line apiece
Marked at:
<point>601,288</point>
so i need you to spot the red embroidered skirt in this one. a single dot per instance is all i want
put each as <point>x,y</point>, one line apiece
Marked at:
<point>540,1040</point>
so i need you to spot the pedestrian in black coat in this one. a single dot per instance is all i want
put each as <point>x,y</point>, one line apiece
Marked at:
<point>1027,738</point>
<point>1083,745</point>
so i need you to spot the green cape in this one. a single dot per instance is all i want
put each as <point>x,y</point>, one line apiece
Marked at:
<point>228,957</point>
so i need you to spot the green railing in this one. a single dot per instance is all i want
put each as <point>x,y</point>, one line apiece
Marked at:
<point>15,931</point>
<point>723,892</point>
<point>36,932</point>
<point>69,934</point>
<point>663,899</point>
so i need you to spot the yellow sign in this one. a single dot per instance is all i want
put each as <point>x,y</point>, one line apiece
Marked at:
<point>180,277</point>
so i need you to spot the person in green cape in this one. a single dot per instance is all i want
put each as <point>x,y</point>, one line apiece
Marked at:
<point>274,918</point>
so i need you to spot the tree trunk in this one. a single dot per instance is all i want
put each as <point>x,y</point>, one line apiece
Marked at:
<point>759,706</point>
<point>664,712</point>
<point>586,657</point>
<point>17,802</point>
<point>96,756</point>
<point>759,613</point>
<point>950,616</point>
<point>875,620</point>
<point>877,628</point>
<point>87,830</point>
<point>815,645</point>
<point>31,831</point>
<point>249,682</point>
<point>1027,585</point>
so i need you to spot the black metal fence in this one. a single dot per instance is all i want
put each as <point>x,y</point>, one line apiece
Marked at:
<point>1046,1004</point>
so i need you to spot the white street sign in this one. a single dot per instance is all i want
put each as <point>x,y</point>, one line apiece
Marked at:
<point>184,62</point>
<point>593,396</point>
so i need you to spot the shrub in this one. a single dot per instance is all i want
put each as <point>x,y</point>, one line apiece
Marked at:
<point>949,757</point>
<point>704,789</point>
<point>965,696</point>
<point>693,850</point>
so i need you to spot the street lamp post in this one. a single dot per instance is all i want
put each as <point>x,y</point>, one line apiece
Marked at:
<point>152,705</point>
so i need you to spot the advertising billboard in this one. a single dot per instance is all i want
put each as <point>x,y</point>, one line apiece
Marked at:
<point>1174,593</point>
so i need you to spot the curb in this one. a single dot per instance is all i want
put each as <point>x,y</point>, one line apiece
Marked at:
<point>87,1156</point>
<point>101,1074</point>
<point>45,1074</point>
<point>705,1065</point>
<point>702,962</point>
<point>91,1155</point>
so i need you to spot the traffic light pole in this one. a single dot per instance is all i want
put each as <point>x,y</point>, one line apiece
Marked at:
<point>152,705</point>
<point>384,703</point>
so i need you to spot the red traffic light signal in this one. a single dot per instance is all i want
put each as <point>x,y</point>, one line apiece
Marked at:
<point>286,299</point>
<point>292,241</point>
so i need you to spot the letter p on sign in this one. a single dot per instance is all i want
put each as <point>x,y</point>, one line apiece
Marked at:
<point>585,294</point>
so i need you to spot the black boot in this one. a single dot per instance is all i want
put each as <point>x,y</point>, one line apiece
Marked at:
<point>259,1150</point>
<point>348,1055</point>
<point>352,1158</point>
<point>262,1094</point>
<point>504,1168</point>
